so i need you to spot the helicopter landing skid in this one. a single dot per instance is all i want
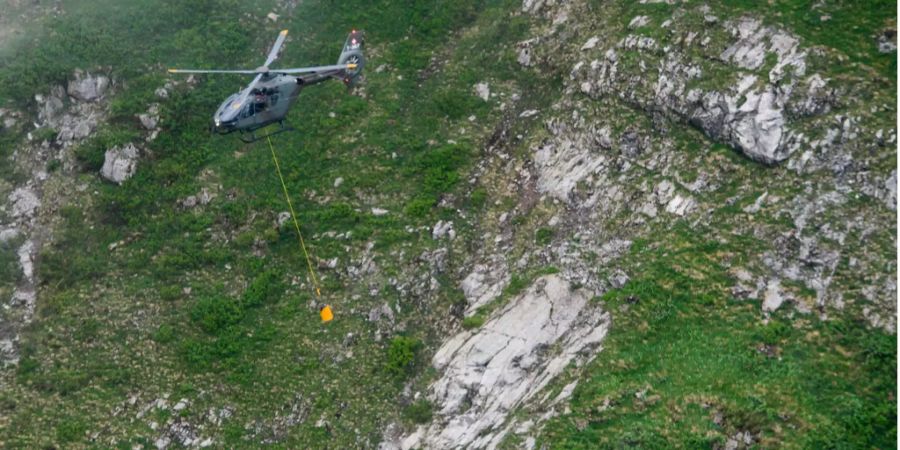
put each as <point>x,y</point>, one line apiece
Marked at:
<point>254,138</point>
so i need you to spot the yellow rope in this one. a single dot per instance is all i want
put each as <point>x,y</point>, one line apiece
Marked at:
<point>312,273</point>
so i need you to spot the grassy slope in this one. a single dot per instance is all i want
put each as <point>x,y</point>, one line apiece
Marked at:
<point>116,323</point>
<point>113,324</point>
<point>686,365</point>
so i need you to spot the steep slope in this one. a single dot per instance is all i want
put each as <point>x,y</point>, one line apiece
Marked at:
<point>631,186</point>
<point>173,308</point>
<point>542,223</point>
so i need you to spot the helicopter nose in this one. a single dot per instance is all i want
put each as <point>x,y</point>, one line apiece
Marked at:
<point>222,126</point>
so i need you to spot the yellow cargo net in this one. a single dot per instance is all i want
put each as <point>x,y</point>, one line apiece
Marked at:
<point>326,313</point>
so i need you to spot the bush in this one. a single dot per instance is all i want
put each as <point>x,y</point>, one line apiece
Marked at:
<point>215,313</point>
<point>204,353</point>
<point>439,180</point>
<point>87,331</point>
<point>440,168</point>
<point>455,104</point>
<point>196,353</point>
<point>261,289</point>
<point>45,134</point>
<point>773,332</point>
<point>516,284</point>
<point>419,412</point>
<point>401,356</point>
<point>92,153</point>
<point>54,165</point>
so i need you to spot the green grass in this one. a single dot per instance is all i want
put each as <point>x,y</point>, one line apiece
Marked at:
<point>473,322</point>
<point>222,293</point>
<point>9,265</point>
<point>682,353</point>
<point>213,304</point>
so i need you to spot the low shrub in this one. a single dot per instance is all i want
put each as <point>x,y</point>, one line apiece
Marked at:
<point>401,355</point>
<point>419,412</point>
<point>215,313</point>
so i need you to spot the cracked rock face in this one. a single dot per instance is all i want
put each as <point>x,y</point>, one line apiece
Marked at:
<point>75,122</point>
<point>506,363</point>
<point>748,115</point>
<point>120,163</point>
<point>88,88</point>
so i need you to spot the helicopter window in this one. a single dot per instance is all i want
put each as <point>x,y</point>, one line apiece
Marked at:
<point>248,110</point>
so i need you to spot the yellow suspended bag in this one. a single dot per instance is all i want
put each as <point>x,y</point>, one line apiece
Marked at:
<point>326,314</point>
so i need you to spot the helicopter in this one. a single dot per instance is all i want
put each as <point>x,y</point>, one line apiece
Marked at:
<point>269,97</point>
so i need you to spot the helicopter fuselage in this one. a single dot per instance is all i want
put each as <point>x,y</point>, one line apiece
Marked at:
<point>269,102</point>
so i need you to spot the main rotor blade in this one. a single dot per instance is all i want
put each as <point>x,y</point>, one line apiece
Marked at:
<point>316,68</point>
<point>277,46</point>
<point>210,71</point>
<point>237,104</point>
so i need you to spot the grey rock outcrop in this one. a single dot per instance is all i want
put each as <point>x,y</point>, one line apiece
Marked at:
<point>86,87</point>
<point>202,198</point>
<point>51,105</point>
<point>749,115</point>
<point>443,229</point>
<point>887,41</point>
<point>73,121</point>
<point>74,117</point>
<point>507,363</point>
<point>483,285</point>
<point>24,203</point>
<point>9,235</point>
<point>150,119</point>
<point>120,163</point>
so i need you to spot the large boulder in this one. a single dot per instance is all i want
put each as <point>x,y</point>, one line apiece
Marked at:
<point>87,87</point>
<point>120,163</point>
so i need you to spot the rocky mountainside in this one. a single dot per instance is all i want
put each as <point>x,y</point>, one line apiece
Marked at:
<point>614,163</point>
<point>540,224</point>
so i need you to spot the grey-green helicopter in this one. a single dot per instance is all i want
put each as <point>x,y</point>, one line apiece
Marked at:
<point>267,99</point>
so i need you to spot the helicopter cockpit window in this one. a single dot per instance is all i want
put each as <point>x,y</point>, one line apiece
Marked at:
<point>248,110</point>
